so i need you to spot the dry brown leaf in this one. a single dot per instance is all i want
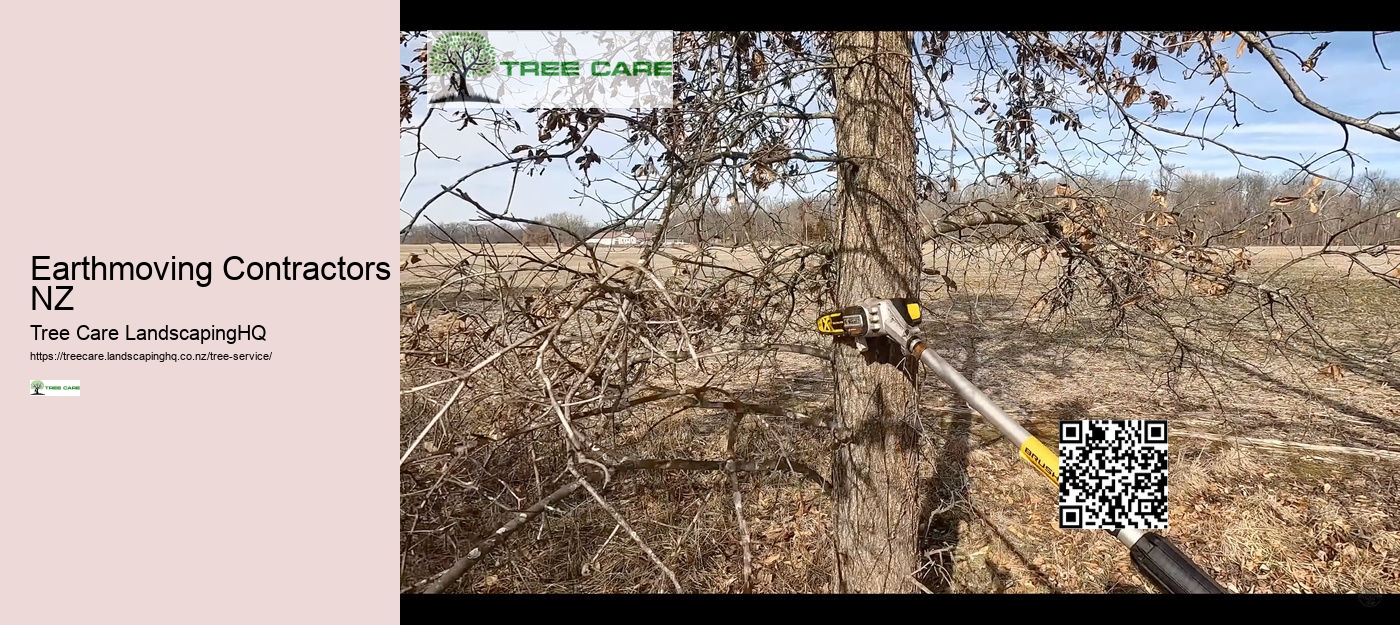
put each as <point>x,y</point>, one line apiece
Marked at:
<point>1208,287</point>
<point>1333,371</point>
<point>1312,205</point>
<point>1133,94</point>
<point>1317,182</point>
<point>1160,196</point>
<point>1283,200</point>
<point>1239,52</point>
<point>1221,67</point>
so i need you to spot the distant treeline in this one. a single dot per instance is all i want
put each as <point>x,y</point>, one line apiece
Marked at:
<point>1257,209</point>
<point>1252,209</point>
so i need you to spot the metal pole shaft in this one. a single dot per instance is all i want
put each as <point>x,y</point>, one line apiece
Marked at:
<point>1004,423</point>
<point>970,393</point>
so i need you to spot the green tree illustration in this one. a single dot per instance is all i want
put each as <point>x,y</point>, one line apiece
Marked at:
<point>36,385</point>
<point>461,55</point>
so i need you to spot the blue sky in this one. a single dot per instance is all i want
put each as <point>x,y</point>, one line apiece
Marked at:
<point>1355,84</point>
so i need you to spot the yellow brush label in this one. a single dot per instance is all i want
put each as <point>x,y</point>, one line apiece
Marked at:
<point>1040,457</point>
<point>913,311</point>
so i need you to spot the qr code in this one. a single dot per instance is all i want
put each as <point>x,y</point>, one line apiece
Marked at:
<point>1113,474</point>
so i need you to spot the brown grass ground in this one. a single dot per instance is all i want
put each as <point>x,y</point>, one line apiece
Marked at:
<point>1280,479</point>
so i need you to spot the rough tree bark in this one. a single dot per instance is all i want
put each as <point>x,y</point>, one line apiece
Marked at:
<point>878,255</point>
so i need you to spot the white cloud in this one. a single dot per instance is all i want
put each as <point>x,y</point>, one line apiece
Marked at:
<point>1288,129</point>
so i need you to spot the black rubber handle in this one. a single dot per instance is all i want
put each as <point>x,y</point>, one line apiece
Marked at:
<point>1160,560</point>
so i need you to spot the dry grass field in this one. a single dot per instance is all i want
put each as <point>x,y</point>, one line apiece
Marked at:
<point>1284,469</point>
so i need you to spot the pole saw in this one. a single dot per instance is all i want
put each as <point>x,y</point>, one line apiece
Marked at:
<point>898,320</point>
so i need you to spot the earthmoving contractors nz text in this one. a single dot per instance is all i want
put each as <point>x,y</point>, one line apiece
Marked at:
<point>91,268</point>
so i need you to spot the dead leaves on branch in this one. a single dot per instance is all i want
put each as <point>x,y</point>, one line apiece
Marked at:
<point>1314,195</point>
<point>590,157</point>
<point>1273,219</point>
<point>758,65</point>
<point>1310,63</point>
<point>1068,201</point>
<point>1070,121</point>
<point>572,122</point>
<point>1206,286</point>
<point>1221,66</point>
<point>760,168</point>
<point>1160,197</point>
<point>1103,266</point>
<point>760,175</point>
<point>1133,94</point>
<point>1179,43</point>
<point>407,96</point>
<point>1076,207</point>
<point>1160,219</point>
<point>948,282</point>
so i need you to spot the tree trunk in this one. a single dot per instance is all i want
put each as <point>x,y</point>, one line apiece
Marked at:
<point>878,255</point>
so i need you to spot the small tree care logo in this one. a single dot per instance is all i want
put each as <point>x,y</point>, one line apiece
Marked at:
<point>54,388</point>
<point>546,69</point>
<point>459,60</point>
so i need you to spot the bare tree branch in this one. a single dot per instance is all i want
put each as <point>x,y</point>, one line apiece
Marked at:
<point>1302,98</point>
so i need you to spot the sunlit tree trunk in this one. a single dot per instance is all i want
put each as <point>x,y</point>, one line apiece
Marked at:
<point>878,255</point>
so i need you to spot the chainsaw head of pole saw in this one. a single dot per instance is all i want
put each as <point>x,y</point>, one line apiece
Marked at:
<point>897,319</point>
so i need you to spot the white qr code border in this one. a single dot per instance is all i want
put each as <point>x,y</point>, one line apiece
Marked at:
<point>1113,474</point>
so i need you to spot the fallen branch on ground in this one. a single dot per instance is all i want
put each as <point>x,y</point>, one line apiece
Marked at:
<point>488,544</point>
<point>1379,454</point>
